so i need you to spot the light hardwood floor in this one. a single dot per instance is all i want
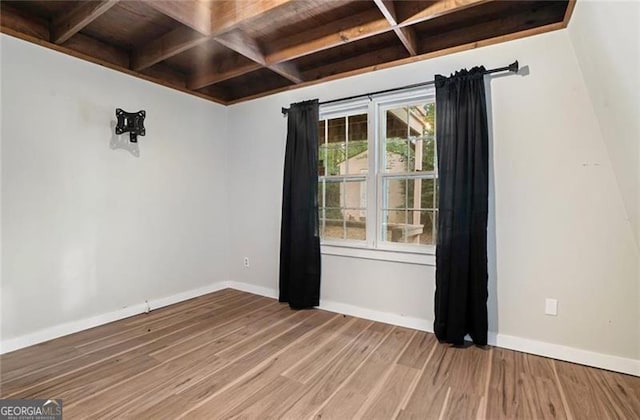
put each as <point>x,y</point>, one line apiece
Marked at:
<point>231,354</point>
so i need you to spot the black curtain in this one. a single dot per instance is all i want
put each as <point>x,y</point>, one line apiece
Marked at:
<point>463,171</point>
<point>299,238</point>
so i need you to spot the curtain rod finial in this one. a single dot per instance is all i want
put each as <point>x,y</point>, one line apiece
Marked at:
<point>514,66</point>
<point>285,111</point>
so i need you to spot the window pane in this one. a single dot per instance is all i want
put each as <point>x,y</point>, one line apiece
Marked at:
<point>397,119</point>
<point>427,149</point>
<point>397,155</point>
<point>420,193</point>
<point>417,123</point>
<point>394,225</point>
<point>337,130</point>
<point>332,194</point>
<point>335,164</point>
<point>428,221</point>
<point>395,193</point>
<point>421,134</point>
<point>336,146</point>
<point>355,194</point>
<point>357,146</point>
<point>409,144</point>
<point>333,223</point>
<point>357,227</point>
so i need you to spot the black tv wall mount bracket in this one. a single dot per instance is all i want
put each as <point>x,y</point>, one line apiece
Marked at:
<point>130,122</point>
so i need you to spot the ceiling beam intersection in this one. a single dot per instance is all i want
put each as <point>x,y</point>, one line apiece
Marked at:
<point>406,35</point>
<point>70,23</point>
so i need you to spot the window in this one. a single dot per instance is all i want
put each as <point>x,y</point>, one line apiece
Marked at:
<point>377,173</point>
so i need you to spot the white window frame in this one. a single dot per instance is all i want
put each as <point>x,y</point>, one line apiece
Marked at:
<point>373,247</point>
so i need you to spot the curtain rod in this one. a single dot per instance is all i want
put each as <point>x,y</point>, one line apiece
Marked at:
<point>513,67</point>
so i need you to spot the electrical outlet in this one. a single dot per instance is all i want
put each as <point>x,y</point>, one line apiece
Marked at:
<point>246,262</point>
<point>551,306</point>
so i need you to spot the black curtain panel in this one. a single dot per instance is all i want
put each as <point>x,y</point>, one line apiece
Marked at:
<point>463,175</point>
<point>299,238</point>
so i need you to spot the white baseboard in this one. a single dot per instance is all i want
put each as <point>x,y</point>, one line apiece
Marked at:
<point>94,321</point>
<point>252,288</point>
<point>566,353</point>
<point>555,351</point>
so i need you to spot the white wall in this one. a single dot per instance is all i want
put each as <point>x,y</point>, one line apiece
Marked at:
<point>557,225</point>
<point>89,226</point>
<point>606,39</point>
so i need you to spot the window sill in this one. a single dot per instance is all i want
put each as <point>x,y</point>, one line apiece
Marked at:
<point>354,251</point>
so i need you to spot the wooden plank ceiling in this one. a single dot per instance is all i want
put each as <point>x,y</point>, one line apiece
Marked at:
<point>234,50</point>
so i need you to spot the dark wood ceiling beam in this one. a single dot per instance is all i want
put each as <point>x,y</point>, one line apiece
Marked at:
<point>168,45</point>
<point>227,15</point>
<point>70,23</point>
<point>288,71</point>
<point>15,22</point>
<point>216,92</point>
<point>238,41</point>
<point>343,31</point>
<point>169,74</point>
<point>209,76</point>
<point>432,10</point>
<point>500,26</point>
<point>92,47</point>
<point>244,45</point>
<point>192,13</point>
<point>224,17</point>
<point>408,38</point>
<point>365,59</point>
<point>406,35</point>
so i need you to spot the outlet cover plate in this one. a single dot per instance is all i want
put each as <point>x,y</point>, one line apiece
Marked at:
<point>551,306</point>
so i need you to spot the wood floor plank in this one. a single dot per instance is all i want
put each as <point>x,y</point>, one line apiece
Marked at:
<point>461,405</point>
<point>266,403</point>
<point>325,382</point>
<point>346,402</point>
<point>522,386</point>
<point>233,400</point>
<point>418,350</point>
<point>623,391</point>
<point>87,383</point>
<point>316,361</point>
<point>219,337</point>
<point>461,368</point>
<point>384,404</point>
<point>144,386</point>
<point>588,398</point>
<point>241,368</point>
<point>200,353</point>
<point>198,394</point>
<point>230,354</point>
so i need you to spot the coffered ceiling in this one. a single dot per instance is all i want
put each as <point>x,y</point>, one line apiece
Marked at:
<point>230,51</point>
